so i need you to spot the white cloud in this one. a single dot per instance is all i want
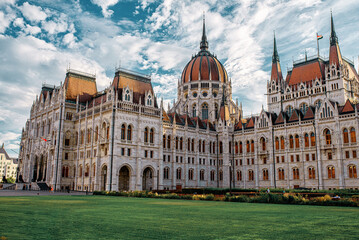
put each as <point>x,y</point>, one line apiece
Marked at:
<point>5,20</point>
<point>58,25</point>
<point>32,12</point>
<point>7,2</point>
<point>105,4</point>
<point>33,30</point>
<point>19,22</point>
<point>69,40</point>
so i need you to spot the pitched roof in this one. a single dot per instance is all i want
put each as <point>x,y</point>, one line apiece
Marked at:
<point>347,108</point>
<point>250,123</point>
<point>2,150</point>
<point>295,116</point>
<point>280,118</point>
<point>309,114</point>
<point>238,125</point>
<point>307,71</point>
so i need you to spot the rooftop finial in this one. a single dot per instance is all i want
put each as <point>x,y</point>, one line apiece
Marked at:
<point>204,43</point>
<point>333,35</point>
<point>275,57</point>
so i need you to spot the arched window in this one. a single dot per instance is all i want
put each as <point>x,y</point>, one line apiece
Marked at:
<point>87,170</point>
<point>345,136</point>
<point>205,111</point>
<point>306,140</point>
<point>250,175</point>
<point>203,146</point>
<point>190,174</point>
<point>127,95</point>
<point>152,133</point>
<point>311,172</point>
<point>80,171</point>
<point>63,171</point>
<point>220,147</point>
<point>166,173</point>
<point>108,132</point>
<point>291,141</point>
<point>213,174</point>
<point>252,146</point>
<point>123,132</point>
<point>192,145</point>
<point>296,141</point>
<point>82,137</point>
<point>280,174</point>
<point>164,141</point>
<point>318,104</point>
<point>176,143</point>
<point>282,146</point>
<point>201,175</point>
<point>76,138</point>
<point>248,147</point>
<point>352,171</point>
<point>240,147</point>
<point>169,141</point>
<point>220,175</point>
<point>236,147</point>
<point>129,133</point>
<point>96,134</point>
<point>194,111</point>
<point>265,174</point>
<point>295,173</point>
<point>276,143</point>
<point>312,139</point>
<point>146,135</point>
<point>181,143</point>
<point>331,172</point>
<point>199,145</point>
<point>328,136</point>
<point>289,110</point>
<point>188,144</point>
<point>179,173</point>
<point>89,135</point>
<point>303,108</point>
<point>149,100</point>
<point>216,110</point>
<point>353,137</point>
<point>239,175</point>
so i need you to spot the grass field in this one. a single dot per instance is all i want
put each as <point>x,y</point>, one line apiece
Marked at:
<point>101,217</point>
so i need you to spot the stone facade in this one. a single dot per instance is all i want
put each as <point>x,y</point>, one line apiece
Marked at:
<point>119,139</point>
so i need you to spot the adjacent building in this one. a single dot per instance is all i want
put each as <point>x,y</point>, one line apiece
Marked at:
<point>8,166</point>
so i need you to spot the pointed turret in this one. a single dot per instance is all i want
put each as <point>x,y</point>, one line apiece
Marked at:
<point>335,57</point>
<point>224,110</point>
<point>204,43</point>
<point>276,73</point>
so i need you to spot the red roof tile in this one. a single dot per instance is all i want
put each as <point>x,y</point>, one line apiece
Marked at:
<point>306,72</point>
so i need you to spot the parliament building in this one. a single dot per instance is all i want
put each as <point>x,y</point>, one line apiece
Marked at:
<point>122,138</point>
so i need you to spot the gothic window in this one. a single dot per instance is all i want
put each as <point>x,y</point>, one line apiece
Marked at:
<point>192,145</point>
<point>280,174</point>
<point>276,143</point>
<point>166,173</point>
<point>146,135</point>
<point>295,173</point>
<point>306,140</point>
<point>176,143</point>
<point>353,138</point>
<point>190,174</point>
<point>201,175</point>
<point>239,176</point>
<point>328,136</point>
<point>282,146</point>
<point>311,172</point>
<point>127,95</point>
<point>303,108</point>
<point>345,136</point>
<point>312,139</point>
<point>203,146</point>
<point>296,141</point>
<point>169,141</point>
<point>205,111</point>
<point>108,132</point>
<point>149,100</point>
<point>240,147</point>
<point>194,112</point>
<point>250,175</point>
<point>181,143</point>
<point>129,133</point>
<point>216,110</point>
<point>291,141</point>
<point>96,134</point>
<point>263,143</point>
<point>331,172</point>
<point>179,174</point>
<point>123,132</point>
<point>352,171</point>
<point>212,175</point>
<point>289,110</point>
<point>152,133</point>
<point>265,174</point>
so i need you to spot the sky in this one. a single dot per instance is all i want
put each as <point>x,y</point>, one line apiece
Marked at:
<point>40,39</point>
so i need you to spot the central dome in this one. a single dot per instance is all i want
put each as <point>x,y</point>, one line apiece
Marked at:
<point>204,65</point>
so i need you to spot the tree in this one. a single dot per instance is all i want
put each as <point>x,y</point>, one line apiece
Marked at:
<point>10,180</point>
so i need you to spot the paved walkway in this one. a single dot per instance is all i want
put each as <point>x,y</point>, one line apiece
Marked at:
<point>7,193</point>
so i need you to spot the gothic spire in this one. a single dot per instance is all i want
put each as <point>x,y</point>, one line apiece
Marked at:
<point>333,35</point>
<point>204,43</point>
<point>275,57</point>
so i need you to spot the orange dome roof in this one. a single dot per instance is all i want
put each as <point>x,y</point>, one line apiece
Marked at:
<point>204,66</point>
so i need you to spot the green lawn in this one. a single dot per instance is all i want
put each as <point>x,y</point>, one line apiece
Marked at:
<point>103,217</point>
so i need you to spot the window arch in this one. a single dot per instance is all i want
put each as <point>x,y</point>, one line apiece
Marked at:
<point>89,135</point>
<point>282,144</point>
<point>169,141</point>
<point>289,110</point>
<point>306,140</point>
<point>297,141</point>
<point>194,110</point>
<point>203,146</point>
<point>149,100</point>
<point>328,136</point>
<point>152,133</point>
<point>127,95</point>
<point>239,175</point>
<point>263,144</point>
<point>146,135</point>
<point>192,145</point>
<point>213,174</point>
<point>280,174</point>
<point>166,173</point>
<point>311,172</point>
<point>82,137</point>
<point>331,172</point>
<point>240,147</point>
<point>80,171</point>
<point>188,144</point>
<point>352,171</point>
<point>123,131</point>
<point>318,104</point>
<point>312,139</point>
<point>345,136</point>
<point>181,143</point>
<point>248,147</point>
<point>291,141</point>
<point>176,143</point>
<point>250,175</point>
<point>129,133</point>
<point>205,111</point>
<point>295,173</point>
<point>353,138</point>
<point>276,143</point>
<point>201,175</point>
<point>265,174</point>
<point>108,132</point>
<point>179,173</point>
<point>252,146</point>
<point>190,174</point>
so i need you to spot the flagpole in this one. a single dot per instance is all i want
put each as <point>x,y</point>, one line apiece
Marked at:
<point>317,44</point>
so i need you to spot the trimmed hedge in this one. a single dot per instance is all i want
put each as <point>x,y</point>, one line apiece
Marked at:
<point>287,198</point>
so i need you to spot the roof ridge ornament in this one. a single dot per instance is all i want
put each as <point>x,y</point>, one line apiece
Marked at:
<point>275,57</point>
<point>333,35</point>
<point>204,43</point>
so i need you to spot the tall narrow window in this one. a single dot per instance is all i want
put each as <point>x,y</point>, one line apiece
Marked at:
<point>353,137</point>
<point>194,111</point>
<point>164,141</point>
<point>205,111</point>
<point>312,140</point>
<point>280,174</point>
<point>252,146</point>
<point>201,175</point>
<point>146,135</point>
<point>181,143</point>
<point>311,172</point>
<point>152,133</point>
<point>291,141</point>
<point>149,100</point>
<point>296,141</point>
<point>265,174</point>
<point>129,133</point>
<point>169,141</point>
<point>239,176</point>
<point>276,143</point>
<point>250,175</point>
<point>328,136</point>
<point>123,132</point>
<point>345,136</point>
<point>96,134</point>
<point>282,146</point>
<point>352,171</point>
<point>331,172</point>
<point>306,140</point>
<point>295,173</point>
<point>179,174</point>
